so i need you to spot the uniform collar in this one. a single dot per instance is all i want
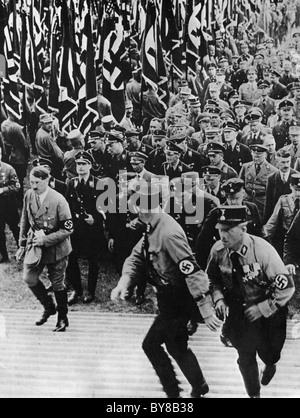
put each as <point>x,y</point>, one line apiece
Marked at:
<point>244,249</point>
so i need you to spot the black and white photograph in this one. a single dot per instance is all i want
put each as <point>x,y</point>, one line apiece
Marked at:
<point>149,201</point>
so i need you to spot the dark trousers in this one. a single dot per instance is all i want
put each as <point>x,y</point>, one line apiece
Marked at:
<point>9,216</point>
<point>21,170</point>
<point>264,337</point>
<point>74,274</point>
<point>173,333</point>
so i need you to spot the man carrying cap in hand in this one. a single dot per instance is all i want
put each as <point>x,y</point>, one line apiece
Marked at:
<point>250,288</point>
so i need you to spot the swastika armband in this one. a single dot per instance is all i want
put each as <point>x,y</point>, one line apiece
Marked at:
<point>281,282</point>
<point>188,266</point>
<point>68,225</point>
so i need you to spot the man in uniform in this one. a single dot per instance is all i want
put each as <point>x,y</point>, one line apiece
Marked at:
<point>215,152</point>
<point>120,160</point>
<point>265,103</point>
<point>234,192</point>
<point>77,142</point>
<point>46,145</point>
<point>166,258</point>
<point>99,153</point>
<point>278,91</point>
<point>134,143</point>
<point>9,187</point>
<point>294,148</point>
<point>255,176</point>
<point>240,110</point>
<point>278,183</point>
<point>46,224</point>
<point>173,167</point>
<point>236,154</point>
<point>88,238</point>
<point>255,135</point>
<point>284,214</point>
<point>249,91</point>
<point>157,157</point>
<point>250,288</point>
<point>212,178</point>
<point>54,184</point>
<point>281,131</point>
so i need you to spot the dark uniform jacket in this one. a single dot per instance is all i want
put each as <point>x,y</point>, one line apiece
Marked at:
<point>275,189</point>
<point>292,244</point>
<point>239,78</point>
<point>102,161</point>
<point>235,158</point>
<point>194,160</point>
<point>281,133</point>
<point>58,185</point>
<point>9,182</point>
<point>268,109</point>
<point>54,218</point>
<point>167,170</point>
<point>83,201</point>
<point>278,92</point>
<point>155,161</point>
<point>116,165</point>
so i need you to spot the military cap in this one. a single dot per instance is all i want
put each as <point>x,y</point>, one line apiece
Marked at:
<point>275,72</point>
<point>182,83</point>
<point>252,117</point>
<point>295,86</point>
<point>131,134</point>
<point>83,156</point>
<point>256,111</point>
<point>210,170</point>
<point>212,131</point>
<point>233,93</point>
<point>294,130</point>
<point>40,161</point>
<point>295,180</point>
<point>178,139</point>
<point>46,118</point>
<point>94,135</point>
<point>215,147</point>
<point>211,65</point>
<point>186,90</point>
<point>115,136</point>
<point>138,156</point>
<point>239,103</point>
<point>286,104</point>
<point>120,128</point>
<point>259,55</point>
<point>194,102</point>
<point>262,84</point>
<point>258,148</point>
<point>283,153</point>
<point>235,57</point>
<point>231,126</point>
<point>74,134</point>
<point>211,102</point>
<point>233,186</point>
<point>203,117</point>
<point>270,41</point>
<point>261,46</point>
<point>296,34</point>
<point>229,215</point>
<point>172,147</point>
<point>107,119</point>
<point>242,59</point>
<point>227,112</point>
<point>223,59</point>
<point>213,110</point>
<point>160,133</point>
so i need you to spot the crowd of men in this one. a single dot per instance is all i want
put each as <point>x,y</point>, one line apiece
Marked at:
<point>234,135</point>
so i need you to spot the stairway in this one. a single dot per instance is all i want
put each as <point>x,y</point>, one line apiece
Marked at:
<point>100,356</point>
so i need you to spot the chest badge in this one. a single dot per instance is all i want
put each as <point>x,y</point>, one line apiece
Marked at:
<point>251,272</point>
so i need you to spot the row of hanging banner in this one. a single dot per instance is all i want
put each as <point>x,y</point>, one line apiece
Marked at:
<point>76,43</point>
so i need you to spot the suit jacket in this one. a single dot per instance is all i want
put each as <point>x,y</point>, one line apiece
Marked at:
<point>275,189</point>
<point>268,109</point>
<point>54,217</point>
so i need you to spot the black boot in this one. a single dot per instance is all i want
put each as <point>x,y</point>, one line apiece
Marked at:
<point>62,309</point>
<point>42,296</point>
<point>252,381</point>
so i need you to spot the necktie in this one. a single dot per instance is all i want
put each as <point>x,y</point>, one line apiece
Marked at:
<point>257,168</point>
<point>38,202</point>
<point>237,275</point>
<point>296,149</point>
<point>283,179</point>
